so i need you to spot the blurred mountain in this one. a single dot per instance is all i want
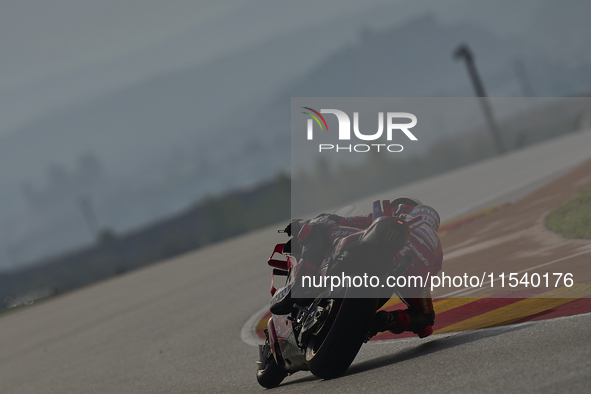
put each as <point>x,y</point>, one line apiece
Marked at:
<point>413,59</point>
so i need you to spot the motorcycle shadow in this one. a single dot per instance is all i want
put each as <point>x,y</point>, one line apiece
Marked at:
<point>309,378</point>
<point>434,345</point>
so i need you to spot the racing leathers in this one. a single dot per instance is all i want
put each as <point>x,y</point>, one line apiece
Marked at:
<point>318,235</point>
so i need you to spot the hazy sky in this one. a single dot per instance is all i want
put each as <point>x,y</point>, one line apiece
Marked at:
<point>40,37</point>
<point>54,53</point>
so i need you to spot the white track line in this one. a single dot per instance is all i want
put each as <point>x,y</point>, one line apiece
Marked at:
<point>247,333</point>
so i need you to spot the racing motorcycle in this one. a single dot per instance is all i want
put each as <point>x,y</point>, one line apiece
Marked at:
<point>325,335</point>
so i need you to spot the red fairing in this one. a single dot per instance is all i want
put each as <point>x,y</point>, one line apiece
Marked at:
<point>278,249</point>
<point>281,264</point>
<point>281,268</point>
<point>273,289</point>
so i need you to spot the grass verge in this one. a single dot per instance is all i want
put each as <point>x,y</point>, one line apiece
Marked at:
<point>573,219</point>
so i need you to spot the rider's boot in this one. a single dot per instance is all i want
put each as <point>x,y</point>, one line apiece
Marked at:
<point>403,320</point>
<point>282,302</point>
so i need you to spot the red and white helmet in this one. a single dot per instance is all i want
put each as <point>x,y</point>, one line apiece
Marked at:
<point>414,207</point>
<point>408,201</point>
<point>428,215</point>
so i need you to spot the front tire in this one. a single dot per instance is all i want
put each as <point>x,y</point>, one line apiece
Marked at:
<point>272,375</point>
<point>330,353</point>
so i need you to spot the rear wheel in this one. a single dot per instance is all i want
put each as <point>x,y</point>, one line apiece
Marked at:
<point>334,348</point>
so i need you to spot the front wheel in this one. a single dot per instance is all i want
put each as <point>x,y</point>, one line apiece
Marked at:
<point>271,375</point>
<point>334,348</point>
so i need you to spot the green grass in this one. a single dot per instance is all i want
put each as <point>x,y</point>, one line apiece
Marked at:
<point>573,219</point>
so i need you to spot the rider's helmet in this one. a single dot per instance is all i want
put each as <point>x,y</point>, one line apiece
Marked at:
<point>409,206</point>
<point>428,214</point>
<point>409,203</point>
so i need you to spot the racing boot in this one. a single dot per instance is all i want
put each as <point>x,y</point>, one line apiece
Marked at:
<point>403,320</point>
<point>282,301</point>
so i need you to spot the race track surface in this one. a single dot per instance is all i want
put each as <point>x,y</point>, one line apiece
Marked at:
<point>175,327</point>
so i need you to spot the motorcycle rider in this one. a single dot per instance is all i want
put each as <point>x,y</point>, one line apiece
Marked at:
<point>317,235</point>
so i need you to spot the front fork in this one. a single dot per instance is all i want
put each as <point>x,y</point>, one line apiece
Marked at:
<point>265,354</point>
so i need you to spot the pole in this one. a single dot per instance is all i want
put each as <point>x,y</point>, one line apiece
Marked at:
<point>463,52</point>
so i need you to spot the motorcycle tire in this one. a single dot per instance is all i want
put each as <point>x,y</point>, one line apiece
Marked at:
<point>329,354</point>
<point>272,375</point>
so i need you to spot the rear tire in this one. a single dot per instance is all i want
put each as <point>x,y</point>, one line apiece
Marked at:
<point>329,354</point>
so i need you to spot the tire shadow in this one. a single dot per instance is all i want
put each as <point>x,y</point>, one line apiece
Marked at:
<point>435,345</point>
<point>299,380</point>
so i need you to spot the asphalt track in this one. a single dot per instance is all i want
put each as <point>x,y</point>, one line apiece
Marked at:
<point>175,327</point>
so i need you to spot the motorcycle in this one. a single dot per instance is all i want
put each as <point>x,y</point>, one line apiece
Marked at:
<point>325,335</point>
